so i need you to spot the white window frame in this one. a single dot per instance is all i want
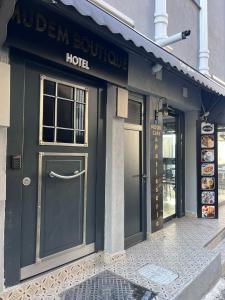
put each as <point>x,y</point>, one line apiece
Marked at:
<point>41,125</point>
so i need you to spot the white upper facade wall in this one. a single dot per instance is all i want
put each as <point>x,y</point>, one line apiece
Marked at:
<point>216,24</point>
<point>183,15</point>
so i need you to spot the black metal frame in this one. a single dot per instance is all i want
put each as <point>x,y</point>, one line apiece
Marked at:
<point>180,163</point>
<point>134,239</point>
<point>199,176</point>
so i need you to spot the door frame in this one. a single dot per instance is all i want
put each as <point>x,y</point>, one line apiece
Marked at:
<point>139,237</point>
<point>15,136</point>
<point>180,163</point>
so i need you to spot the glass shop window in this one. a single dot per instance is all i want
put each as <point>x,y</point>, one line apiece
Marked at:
<point>63,113</point>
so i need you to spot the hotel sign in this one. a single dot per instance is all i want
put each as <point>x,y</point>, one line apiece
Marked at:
<point>77,61</point>
<point>156,169</point>
<point>46,34</point>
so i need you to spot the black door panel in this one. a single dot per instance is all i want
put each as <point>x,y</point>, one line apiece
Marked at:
<point>134,169</point>
<point>53,218</point>
<point>62,204</point>
<point>132,180</point>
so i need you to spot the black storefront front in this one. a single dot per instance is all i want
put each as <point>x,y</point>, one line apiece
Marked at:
<point>61,69</point>
<point>56,142</point>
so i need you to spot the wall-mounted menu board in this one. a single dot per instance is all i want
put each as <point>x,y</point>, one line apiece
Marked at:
<point>207,170</point>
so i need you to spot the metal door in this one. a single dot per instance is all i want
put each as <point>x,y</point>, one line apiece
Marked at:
<point>173,165</point>
<point>59,169</point>
<point>134,172</point>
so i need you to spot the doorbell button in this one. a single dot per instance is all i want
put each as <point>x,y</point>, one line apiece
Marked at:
<point>26,181</point>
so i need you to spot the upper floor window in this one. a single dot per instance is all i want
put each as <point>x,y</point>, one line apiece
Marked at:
<point>63,113</point>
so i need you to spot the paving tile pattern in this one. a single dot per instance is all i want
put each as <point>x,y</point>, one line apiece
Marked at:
<point>107,286</point>
<point>218,292</point>
<point>178,247</point>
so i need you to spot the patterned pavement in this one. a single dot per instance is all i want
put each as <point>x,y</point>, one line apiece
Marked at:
<point>179,247</point>
<point>218,292</point>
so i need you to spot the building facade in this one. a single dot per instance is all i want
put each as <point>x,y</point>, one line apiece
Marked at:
<point>98,125</point>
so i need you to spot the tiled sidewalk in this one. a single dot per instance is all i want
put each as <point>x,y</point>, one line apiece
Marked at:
<point>179,247</point>
<point>218,292</point>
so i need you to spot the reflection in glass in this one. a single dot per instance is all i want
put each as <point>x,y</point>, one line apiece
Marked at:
<point>80,137</point>
<point>80,116</point>
<point>65,114</point>
<point>65,91</point>
<point>134,113</point>
<point>48,134</point>
<point>65,136</point>
<point>49,87</point>
<point>80,95</point>
<point>49,111</point>
<point>169,166</point>
<point>221,164</point>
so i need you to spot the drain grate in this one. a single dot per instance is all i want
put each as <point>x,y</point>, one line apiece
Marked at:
<point>107,286</point>
<point>158,274</point>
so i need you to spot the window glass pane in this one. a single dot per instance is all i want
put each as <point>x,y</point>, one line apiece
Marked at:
<point>48,134</point>
<point>80,116</point>
<point>169,166</point>
<point>134,112</point>
<point>69,123</point>
<point>80,137</point>
<point>65,136</point>
<point>65,91</point>
<point>49,111</point>
<point>49,87</point>
<point>65,114</point>
<point>80,95</point>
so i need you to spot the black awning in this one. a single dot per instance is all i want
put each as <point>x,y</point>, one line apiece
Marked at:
<point>102,18</point>
<point>115,26</point>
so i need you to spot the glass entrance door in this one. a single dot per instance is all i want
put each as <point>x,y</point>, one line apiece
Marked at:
<point>169,166</point>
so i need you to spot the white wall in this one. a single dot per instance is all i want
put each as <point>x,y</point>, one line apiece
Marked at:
<point>114,181</point>
<point>190,162</point>
<point>141,11</point>
<point>216,24</point>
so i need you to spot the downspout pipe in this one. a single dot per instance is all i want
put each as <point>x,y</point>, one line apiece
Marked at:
<point>161,25</point>
<point>203,38</point>
<point>160,20</point>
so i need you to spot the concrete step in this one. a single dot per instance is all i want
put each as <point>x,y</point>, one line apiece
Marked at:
<point>217,245</point>
<point>220,248</point>
<point>217,292</point>
<point>216,240</point>
<point>203,282</point>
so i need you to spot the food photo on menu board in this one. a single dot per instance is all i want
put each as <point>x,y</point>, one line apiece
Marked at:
<point>207,128</point>
<point>208,211</point>
<point>207,141</point>
<point>207,169</point>
<point>208,197</point>
<point>208,155</point>
<point>208,183</point>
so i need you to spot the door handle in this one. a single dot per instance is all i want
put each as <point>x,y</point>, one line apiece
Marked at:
<point>142,176</point>
<point>75,175</point>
